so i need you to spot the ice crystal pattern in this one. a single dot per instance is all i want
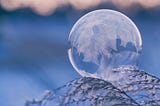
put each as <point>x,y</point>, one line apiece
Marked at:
<point>101,41</point>
<point>139,89</point>
<point>85,92</point>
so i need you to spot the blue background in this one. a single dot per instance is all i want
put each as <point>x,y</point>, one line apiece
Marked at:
<point>33,50</point>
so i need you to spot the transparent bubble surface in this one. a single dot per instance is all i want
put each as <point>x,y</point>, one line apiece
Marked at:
<point>101,42</point>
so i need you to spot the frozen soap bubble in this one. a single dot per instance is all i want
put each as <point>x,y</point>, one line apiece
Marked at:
<point>103,41</point>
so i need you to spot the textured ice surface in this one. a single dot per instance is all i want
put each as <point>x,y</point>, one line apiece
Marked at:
<point>144,88</point>
<point>137,88</point>
<point>85,92</point>
<point>101,41</point>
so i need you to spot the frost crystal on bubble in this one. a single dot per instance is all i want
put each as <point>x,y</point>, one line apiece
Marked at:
<point>101,41</point>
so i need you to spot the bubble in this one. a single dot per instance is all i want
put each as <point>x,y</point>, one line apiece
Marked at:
<point>103,41</point>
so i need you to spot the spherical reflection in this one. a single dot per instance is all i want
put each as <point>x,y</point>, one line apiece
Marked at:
<point>102,41</point>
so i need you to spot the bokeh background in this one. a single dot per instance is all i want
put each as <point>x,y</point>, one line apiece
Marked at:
<point>34,42</point>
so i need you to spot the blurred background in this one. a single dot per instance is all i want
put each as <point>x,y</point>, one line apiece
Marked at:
<point>34,42</point>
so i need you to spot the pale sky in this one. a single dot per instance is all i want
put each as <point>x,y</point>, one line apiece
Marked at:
<point>46,7</point>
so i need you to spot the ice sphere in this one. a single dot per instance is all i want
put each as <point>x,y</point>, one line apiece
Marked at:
<point>102,41</point>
